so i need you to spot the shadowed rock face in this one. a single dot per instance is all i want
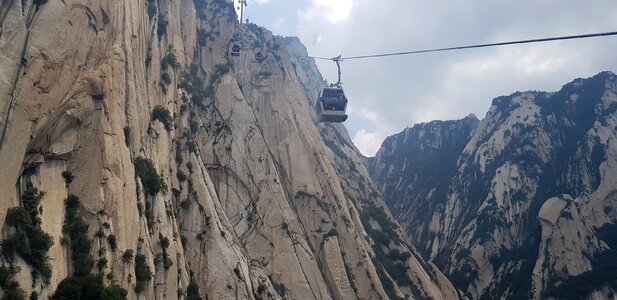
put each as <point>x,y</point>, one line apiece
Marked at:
<point>192,167</point>
<point>521,205</point>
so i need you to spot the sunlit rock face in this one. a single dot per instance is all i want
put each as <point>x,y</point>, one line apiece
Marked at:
<point>198,173</point>
<point>520,204</point>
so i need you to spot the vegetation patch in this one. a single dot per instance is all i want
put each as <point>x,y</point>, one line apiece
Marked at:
<point>39,3</point>
<point>161,28</point>
<point>169,60</point>
<point>192,291</point>
<point>127,256</point>
<point>88,287</point>
<point>142,273</point>
<point>77,230</point>
<point>102,264</point>
<point>387,284</point>
<point>167,262</point>
<point>29,241</point>
<point>152,9</point>
<point>127,135</point>
<point>162,114</point>
<point>330,233</point>
<point>68,177</point>
<point>113,244</point>
<point>83,285</point>
<point>602,273</point>
<point>185,204</point>
<point>193,82</point>
<point>278,287</point>
<point>181,176</point>
<point>391,262</point>
<point>153,183</point>
<point>204,36</point>
<point>9,286</point>
<point>165,81</point>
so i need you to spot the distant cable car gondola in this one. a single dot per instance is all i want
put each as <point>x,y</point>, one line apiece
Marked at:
<point>332,103</point>
<point>235,50</point>
<point>259,56</point>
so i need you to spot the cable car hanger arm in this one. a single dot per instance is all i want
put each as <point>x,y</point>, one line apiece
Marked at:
<point>539,40</point>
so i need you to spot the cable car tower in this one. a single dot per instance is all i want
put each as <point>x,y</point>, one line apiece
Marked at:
<point>242,6</point>
<point>235,47</point>
<point>332,103</point>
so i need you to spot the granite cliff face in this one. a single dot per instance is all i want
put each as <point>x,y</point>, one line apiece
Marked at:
<point>177,170</point>
<point>519,205</point>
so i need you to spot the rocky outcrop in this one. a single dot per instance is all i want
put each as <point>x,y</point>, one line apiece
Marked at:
<point>190,171</point>
<point>523,206</point>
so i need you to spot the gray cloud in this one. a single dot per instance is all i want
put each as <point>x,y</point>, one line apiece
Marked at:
<point>389,94</point>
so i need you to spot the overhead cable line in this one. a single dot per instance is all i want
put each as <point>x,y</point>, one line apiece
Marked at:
<point>567,37</point>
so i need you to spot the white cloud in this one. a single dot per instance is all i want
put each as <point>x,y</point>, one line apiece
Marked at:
<point>367,142</point>
<point>263,1</point>
<point>389,94</point>
<point>333,10</point>
<point>368,115</point>
<point>278,22</point>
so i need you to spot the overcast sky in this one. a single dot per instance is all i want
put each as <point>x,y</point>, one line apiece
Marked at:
<point>389,94</point>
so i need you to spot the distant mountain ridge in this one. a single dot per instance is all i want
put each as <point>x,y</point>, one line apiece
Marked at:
<point>517,204</point>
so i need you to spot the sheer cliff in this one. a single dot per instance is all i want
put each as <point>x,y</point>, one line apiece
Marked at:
<point>140,159</point>
<point>519,205</point>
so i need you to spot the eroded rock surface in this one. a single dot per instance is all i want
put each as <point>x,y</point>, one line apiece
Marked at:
<point>248,198</point>
<point>519,205</point>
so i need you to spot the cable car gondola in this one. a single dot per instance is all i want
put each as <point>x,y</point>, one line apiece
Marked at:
<point>332,103</point>
<point>235,50</point>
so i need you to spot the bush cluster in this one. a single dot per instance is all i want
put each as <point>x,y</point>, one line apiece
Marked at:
<point>77,230</point>
<point>89,287</point>
<point>193,82</point>
<point>127,256</point>
<point>169,60</point>
<point>192,291</point>
<point>392,262</point>
<point>167,262</point>
<point>161,28</point>
<point>162,114</point>
<point>68,177</point>
<point>38,3</point>
<point>151,8</point>
<point>142,273</point>
<point>153,183</point>
<point>113,244</point>
<point>127,135</point>
<point>29,241</point>
<point>83,285</point>
<point>9,285</point>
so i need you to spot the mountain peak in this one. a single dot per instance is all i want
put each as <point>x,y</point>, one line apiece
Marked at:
<point>498,198</point>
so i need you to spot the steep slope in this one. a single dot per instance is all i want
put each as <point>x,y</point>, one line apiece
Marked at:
<point>418,164</point>
<point>400,269</point>
<point>528,211</point>
<point>178,169</point>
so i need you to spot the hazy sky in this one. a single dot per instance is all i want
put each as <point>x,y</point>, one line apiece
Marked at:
<point>389,94</point>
